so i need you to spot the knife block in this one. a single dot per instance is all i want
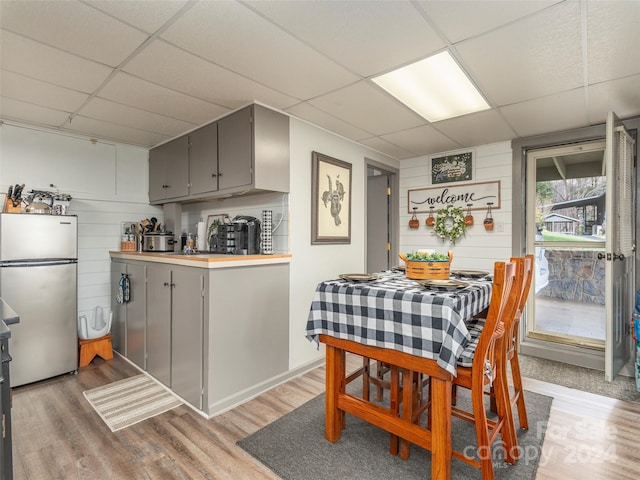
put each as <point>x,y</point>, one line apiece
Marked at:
<point>9,208</point>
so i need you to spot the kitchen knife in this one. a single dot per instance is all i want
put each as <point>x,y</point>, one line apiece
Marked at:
<point>10,192</point>
<point>17,195</point>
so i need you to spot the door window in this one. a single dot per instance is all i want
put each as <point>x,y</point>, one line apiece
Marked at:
<point>567,228</point>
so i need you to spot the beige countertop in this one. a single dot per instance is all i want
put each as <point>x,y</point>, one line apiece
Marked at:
<point>203,260</point>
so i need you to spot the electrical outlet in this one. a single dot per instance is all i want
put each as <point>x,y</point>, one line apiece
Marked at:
<point>499,226</point>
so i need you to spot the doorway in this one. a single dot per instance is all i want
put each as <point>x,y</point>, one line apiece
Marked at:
<point>618,168</point>
<point>382,216</point>
<point>566,231</point>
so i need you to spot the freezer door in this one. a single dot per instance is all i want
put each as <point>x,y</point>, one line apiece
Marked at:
<point>45,342</point>
<point>38,237</point>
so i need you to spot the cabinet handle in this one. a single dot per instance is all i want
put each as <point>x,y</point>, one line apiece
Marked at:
<point>165,186</point>
<point>167,284</point>
<point>214,175</point>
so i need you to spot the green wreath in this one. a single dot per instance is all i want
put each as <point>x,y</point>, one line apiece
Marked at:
<point>455,229</point>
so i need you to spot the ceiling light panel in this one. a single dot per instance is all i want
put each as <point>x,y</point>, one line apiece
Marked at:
<point>436,88</point>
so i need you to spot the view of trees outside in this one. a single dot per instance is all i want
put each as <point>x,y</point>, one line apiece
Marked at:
<point>580,220</point>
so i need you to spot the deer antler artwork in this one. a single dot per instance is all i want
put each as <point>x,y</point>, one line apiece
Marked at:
<point>334,198</point>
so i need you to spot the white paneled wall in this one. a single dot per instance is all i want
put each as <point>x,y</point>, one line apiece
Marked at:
<point>252,206</point>
<point>108,183</point>
<point>479,248</point>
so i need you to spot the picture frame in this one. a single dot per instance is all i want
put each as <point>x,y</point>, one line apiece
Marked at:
<point>330,200</point>
<point>456,167</point>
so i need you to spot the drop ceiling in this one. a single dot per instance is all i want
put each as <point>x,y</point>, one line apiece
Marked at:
<point>143,72</point>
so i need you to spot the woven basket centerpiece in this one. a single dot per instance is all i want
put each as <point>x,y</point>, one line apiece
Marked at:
<point>428,266</point>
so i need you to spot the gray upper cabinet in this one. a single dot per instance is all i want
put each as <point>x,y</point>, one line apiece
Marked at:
<point>253,151</point>
<point>203,159</point>
<point>169,171</point>
<point>244,152</point>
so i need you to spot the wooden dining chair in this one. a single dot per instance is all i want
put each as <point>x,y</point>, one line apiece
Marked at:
<point>520,293</point>
<point>482,365</point>
<point>526,267</point>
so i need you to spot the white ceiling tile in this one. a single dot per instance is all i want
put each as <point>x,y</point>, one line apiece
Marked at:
<point>460,20</point>
<point>129,90</point>
<point>554,113</point>
<point>613,27</point>
<point>117,133</point>
<point>171,67</point>
<point>367,106</point>
<point>28,90</point>
<point>477,128</point>
<point>422,140</point>
<point>73,27</point>
<point>534,57</point>
<point>11,109</point>
<point>133,117</point>
<point>366,37</point>
<point>387,148</point>
<point>236,38</point>
<point>620,96</point>
<point>148,16</point>
<point>42,62</point>
<point>318,117</point>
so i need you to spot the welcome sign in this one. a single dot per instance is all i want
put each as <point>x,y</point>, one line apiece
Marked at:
<point>476,194</point>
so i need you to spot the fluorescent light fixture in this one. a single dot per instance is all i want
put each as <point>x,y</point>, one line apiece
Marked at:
<point>436,88</point>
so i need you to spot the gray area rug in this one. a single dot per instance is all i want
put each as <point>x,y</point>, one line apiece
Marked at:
<point>579,378</point>
<point>294,447</point>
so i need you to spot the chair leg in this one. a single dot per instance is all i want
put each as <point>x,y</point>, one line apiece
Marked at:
<point>517,385</point>
<point>505,413</point>
<point>366,372</point>
<point>482,434</point>
<point>380,368</point>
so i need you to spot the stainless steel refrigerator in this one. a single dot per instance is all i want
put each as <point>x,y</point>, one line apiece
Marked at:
<point>38,279</point>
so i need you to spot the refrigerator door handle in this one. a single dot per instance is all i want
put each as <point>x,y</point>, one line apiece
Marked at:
<point>39,263</point>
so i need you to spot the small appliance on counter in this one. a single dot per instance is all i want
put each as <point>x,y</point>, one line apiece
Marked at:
<point>158,242</point>
<point>240,237</point>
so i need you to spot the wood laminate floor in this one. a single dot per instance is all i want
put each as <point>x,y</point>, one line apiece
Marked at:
<point>57,435</point>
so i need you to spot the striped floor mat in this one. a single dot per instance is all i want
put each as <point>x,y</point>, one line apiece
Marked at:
<point>126,402</point>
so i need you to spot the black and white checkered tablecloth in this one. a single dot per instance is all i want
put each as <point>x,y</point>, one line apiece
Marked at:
<point>398,313</point>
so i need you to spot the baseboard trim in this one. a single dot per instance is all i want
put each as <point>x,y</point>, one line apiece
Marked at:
<point>232,401</point>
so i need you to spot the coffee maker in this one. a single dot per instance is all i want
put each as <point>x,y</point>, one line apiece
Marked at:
<point>247,235</point>
<point>240,237</point>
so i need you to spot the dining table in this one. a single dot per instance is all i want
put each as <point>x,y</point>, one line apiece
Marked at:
<point>412,325</point>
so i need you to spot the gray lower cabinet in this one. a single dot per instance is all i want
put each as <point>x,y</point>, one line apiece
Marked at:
<point>214,336</point>
<point>188,309</point>
<point>159,322</point>
<point>129,319</point>
<point>175,314</point>
<point>247,333</point>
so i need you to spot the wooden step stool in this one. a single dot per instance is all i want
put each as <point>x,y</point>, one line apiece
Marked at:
<point>95,346</point>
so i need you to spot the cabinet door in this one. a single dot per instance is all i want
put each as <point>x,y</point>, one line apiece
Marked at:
<point>187,333</point>
<point>119,311</point>
<point>156,174</point>
<point>159,322</point>
<point>169,170</point>
<point>136,314</point>
<point>235,149</point>
<point>177,167</point>
<point>203,159</point>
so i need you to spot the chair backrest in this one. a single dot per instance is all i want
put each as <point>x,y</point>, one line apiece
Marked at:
<point>522,285</point>
<point>484,359</point>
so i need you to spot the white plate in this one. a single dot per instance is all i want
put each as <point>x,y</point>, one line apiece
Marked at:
<point>470,273</point>
<point>358,277</point>
<point>443,284</point>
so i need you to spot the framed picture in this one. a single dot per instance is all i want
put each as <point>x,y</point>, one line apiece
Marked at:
<point>330,200</point>
<point>452,168</point>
